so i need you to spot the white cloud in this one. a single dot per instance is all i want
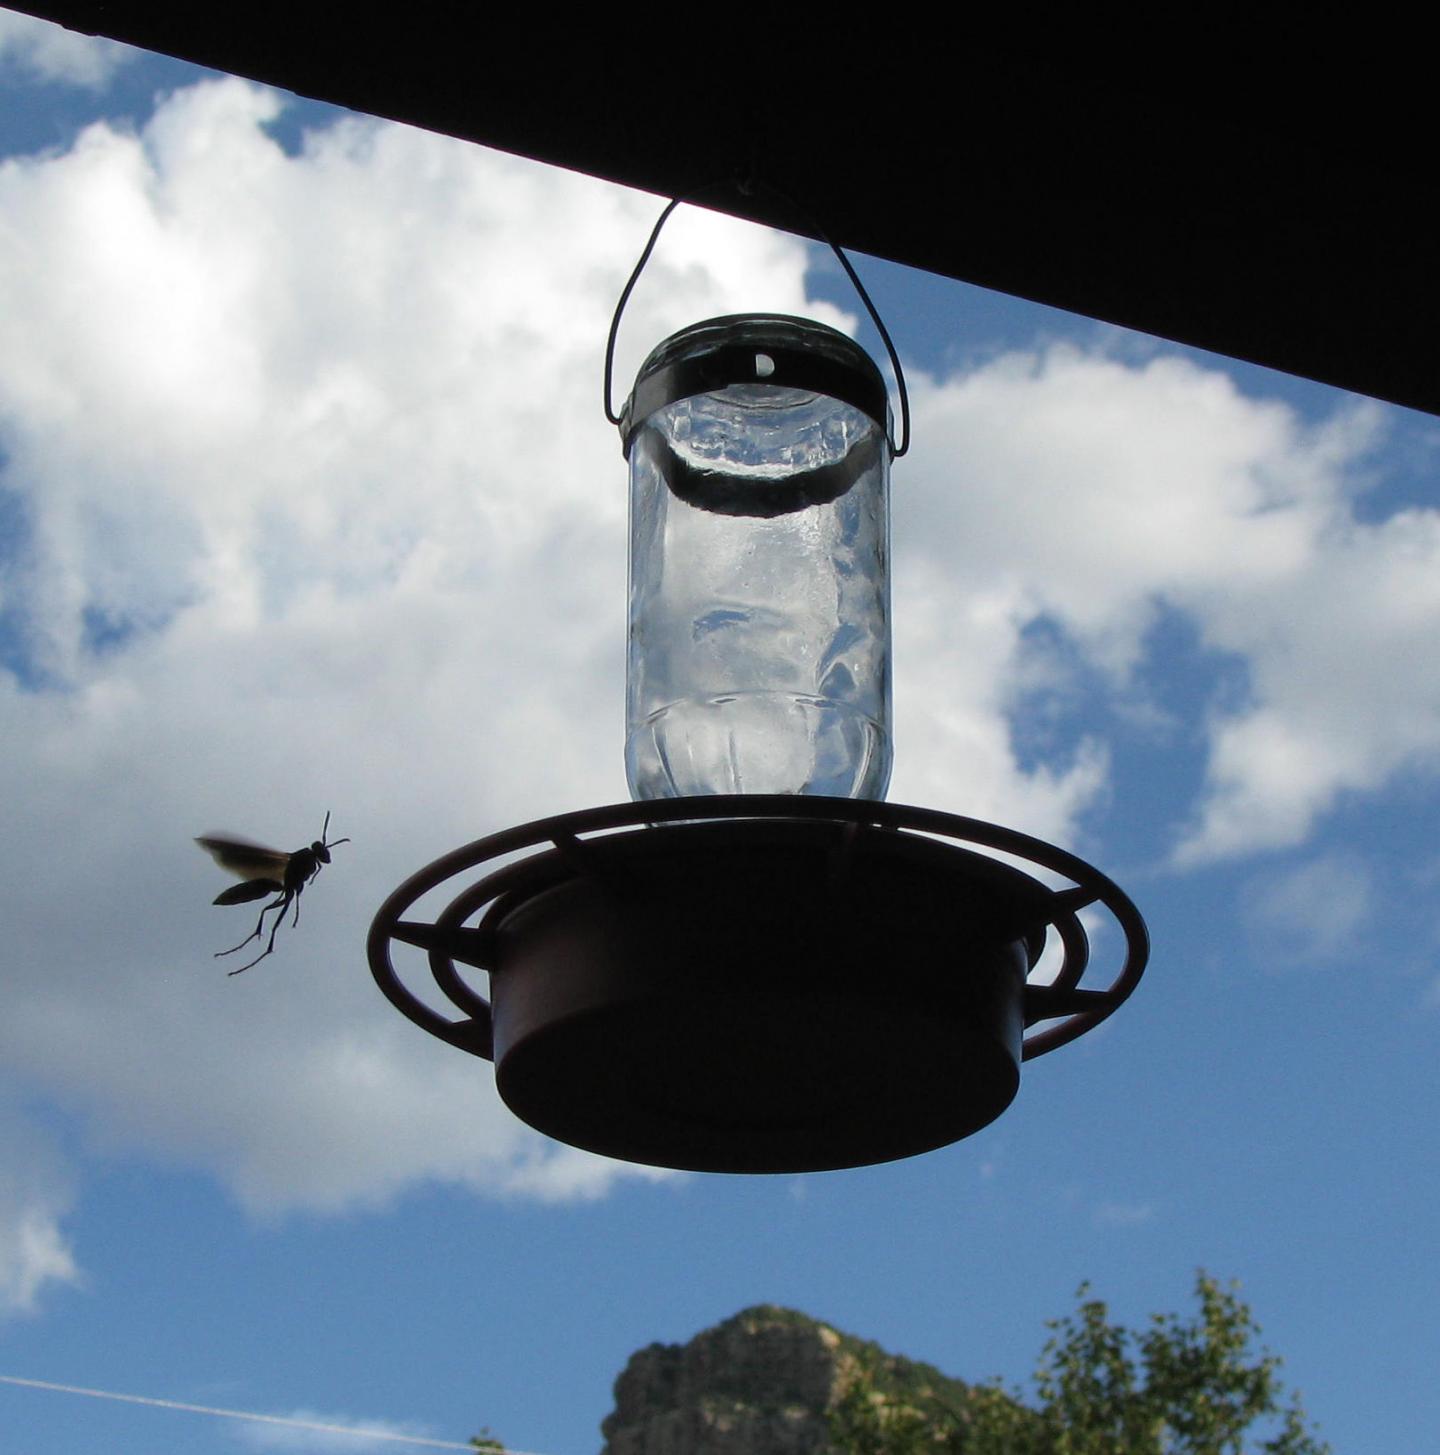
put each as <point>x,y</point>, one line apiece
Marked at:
<point>1092,494</point>
<point>1345,680</point>
<point>51,53</point>
<point>36,1191</point>
<point>317,439</point>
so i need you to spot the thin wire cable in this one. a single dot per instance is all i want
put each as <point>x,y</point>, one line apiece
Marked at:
<point>201,1409</point>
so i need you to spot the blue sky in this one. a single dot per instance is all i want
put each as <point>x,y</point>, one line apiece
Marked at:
<point>307,503</point>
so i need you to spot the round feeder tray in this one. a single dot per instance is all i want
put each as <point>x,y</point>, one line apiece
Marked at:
<point>757,984</point>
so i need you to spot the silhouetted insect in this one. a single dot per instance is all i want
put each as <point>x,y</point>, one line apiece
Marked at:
<point>267,871</point>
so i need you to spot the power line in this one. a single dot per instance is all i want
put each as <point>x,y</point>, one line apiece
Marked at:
<point>201,1409</point>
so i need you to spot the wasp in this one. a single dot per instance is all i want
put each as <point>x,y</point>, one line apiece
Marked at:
<point>267,871</point>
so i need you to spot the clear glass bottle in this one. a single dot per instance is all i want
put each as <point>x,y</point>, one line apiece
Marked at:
<point>759,650</point>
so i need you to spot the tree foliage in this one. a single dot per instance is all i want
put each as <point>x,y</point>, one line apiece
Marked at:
<point>1179,1386</point>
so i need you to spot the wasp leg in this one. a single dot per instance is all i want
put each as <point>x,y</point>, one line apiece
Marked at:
<point>296,921</point>
<point>282,903</point>
<point>274,925</point>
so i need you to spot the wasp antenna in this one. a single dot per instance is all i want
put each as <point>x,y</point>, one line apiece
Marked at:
<point>326,829</point>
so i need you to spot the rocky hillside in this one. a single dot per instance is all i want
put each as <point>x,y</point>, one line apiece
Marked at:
<point>758,1384</point>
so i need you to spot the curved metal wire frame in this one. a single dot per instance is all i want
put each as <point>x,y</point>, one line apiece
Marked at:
<point>449,940</point>
<point>697,197</point>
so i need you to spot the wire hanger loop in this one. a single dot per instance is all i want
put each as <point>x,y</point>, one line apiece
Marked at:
<point>896,449</point>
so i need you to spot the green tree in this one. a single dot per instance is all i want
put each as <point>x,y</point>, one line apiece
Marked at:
<point>1180,1386</point>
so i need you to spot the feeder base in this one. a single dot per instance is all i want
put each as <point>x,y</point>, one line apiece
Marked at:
<point>737,999</point>
<point>756,984</point>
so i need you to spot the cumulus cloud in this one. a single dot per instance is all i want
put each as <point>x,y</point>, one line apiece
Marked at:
<point>311,506</point>
<point>1076,489</point>
<point>49,52</point>
<point>36,1191</point>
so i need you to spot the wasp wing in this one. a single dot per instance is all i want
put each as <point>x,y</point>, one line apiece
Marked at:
<point>247,860</point>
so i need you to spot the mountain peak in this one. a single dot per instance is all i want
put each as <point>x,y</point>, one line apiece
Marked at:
<point>761,1382</point>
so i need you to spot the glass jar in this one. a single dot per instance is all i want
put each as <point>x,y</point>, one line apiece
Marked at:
<point>759,644</point>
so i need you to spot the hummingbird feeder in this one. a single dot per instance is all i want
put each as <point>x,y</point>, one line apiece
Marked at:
<point>758,965</point>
